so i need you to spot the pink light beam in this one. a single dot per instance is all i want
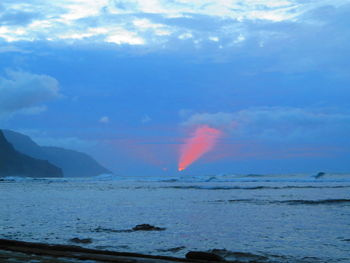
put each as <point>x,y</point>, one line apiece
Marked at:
<point>202,141</point>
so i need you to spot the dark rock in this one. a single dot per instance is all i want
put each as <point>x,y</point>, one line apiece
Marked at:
<point>147,227</point>
<point>14,163</point>
<point>198,255</point>
<point>110,230</point>
<point>319,175</point>
<point>174,249</point>
<point>81,240</point>
<point>142,227</point>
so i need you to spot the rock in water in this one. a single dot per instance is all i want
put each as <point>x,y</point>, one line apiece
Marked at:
<point>319,175</point>
<point>198,255</point>
<point>173,249</point>
<point>147,227</point>
<point>81,240</point>
<point>142,227</point>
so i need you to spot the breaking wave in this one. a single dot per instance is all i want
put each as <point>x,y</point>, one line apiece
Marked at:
<point>15,179</point>
<point>288,202</point>
<point>197,187</point>
<point>303,178</point>
<point>248,257</point>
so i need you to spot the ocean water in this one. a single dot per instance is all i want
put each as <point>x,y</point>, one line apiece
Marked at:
<point>295,218</point>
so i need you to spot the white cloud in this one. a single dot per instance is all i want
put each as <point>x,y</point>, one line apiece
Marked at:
<point>146,24</point>
<point>214,39</point>
<point>185,36</point>
<point>120,36</point>
<point>146,119</point>
<point>23,92</point>
<point>76,9</point>
<point>239,39</point>
<point>63,19</point>
<point>311,31</point>
<point>104,119</point>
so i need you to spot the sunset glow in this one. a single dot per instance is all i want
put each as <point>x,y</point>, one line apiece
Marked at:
<point>203,140</point>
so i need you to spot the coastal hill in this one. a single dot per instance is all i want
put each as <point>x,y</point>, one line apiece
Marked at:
<point>73,163</point>
<point>14,163</point>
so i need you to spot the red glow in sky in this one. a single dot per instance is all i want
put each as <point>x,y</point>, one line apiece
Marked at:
<point>203,140</point>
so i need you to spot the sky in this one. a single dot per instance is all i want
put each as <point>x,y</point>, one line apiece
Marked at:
<point>130,81</point>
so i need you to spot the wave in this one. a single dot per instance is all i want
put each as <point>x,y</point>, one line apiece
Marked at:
<point>173,180</point>
<point>13,179</point>
<point>260,257</point>
<point>105,177</point>
<point>304,178</point>
<point>197,187</point>
<point>315,202</point>
<point>239,256</point>
<point>288,202</point>
<point>224,178</point>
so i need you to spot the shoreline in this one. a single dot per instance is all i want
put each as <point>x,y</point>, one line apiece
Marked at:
<point>20,249</point>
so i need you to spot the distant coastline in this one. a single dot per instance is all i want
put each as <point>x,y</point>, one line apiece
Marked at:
<point>27,158</point>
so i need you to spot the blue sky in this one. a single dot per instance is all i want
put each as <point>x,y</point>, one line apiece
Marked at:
<point>129,81</point>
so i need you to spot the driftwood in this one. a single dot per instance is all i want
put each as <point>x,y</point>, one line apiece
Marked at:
<point>76,252</point>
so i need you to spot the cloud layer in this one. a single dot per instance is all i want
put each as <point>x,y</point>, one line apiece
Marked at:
<point>154,22</point>
<point>278,124</point>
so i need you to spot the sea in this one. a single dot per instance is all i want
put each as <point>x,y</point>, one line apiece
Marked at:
<point>250,218</point>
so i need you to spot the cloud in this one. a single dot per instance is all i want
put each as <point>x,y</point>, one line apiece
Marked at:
<point>219,119</point>
<point>274,10</point>
<point>24,92</point>
<point>132,18</point>
<point>288,36</point>
<point>279,124</point>
<point>18,18</point>
<point>104,119</point>
<point>146,119</point>
<point>121,36</point>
